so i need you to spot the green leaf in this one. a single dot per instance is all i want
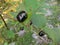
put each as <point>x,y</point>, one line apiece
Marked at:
<point>31,4</point>
<point>53,34</point>
<point>39,20</point>
<point>57,34</point>
<point>10,34</point>
<point>6,43</point>
<point>34,7</point>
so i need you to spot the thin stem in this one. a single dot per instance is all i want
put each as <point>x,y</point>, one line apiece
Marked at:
<point>4,21</point>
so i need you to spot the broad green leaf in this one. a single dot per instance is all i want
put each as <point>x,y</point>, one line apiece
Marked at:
<point>53,34</point>
<point>39,20</point>
<point>57,32</point>
<point>32,5</point>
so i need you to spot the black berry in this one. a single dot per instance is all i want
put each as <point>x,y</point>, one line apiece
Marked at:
<point>21,28</point>
<point>22,16</point>
<point>41,33</point>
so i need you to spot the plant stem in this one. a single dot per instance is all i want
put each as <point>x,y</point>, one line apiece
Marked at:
<point>4,21</point>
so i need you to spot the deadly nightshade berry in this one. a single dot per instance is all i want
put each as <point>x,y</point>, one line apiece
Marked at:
<point>21,28</point>
<point>22,16</point>
<point>41,33</point>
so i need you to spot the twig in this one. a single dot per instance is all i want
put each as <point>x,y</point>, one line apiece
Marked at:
<point>4,21</point>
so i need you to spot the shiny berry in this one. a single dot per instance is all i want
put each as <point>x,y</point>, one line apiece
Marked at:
<point>41,33</point>
<point>22,16</point>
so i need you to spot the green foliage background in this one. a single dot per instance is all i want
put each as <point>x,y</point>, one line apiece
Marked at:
<point>36,10</point>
